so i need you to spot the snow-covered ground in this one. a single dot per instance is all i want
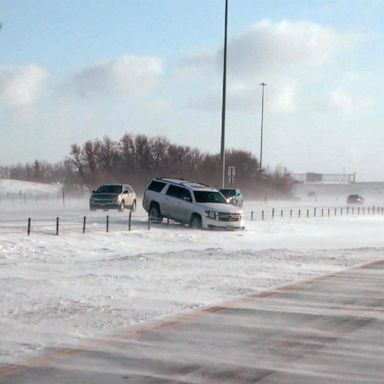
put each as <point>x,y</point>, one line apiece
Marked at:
<point>58,290</point>
<point>9,187</point>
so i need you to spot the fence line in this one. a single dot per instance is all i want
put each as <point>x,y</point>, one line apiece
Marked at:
<point>317,212</point>
<point>89,224</point>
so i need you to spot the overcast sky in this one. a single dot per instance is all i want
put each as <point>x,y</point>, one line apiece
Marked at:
<point>77,70</point>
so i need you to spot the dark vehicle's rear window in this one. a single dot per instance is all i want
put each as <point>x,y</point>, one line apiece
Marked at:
<point>109,189</point>
<point>228,192</point>
<point>156,186</point>
<point>209,197</point>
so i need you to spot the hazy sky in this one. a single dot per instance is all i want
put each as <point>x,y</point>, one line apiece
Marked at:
<point>77,70</point>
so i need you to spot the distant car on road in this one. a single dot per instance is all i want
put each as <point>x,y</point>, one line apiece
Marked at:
<point>187,202</point>
<point>355,199</point>
<point>113,196</point>
<point>233,196</point>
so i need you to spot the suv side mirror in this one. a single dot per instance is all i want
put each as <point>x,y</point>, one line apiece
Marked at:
<point>125,192</point>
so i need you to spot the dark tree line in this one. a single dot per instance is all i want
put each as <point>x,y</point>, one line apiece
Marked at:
<point>136,159</point>
<point>39,171</point>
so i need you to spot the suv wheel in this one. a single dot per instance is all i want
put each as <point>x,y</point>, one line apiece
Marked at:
<point>155,214</point>
<point>196,222</point>
<point>122,206</point>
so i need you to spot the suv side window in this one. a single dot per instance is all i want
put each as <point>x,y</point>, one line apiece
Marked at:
<point>156,186</point>
<point>173,191</point>
<point>185,195</point>
<point>179,192</point>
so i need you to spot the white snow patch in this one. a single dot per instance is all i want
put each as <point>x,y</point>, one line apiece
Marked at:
<point>58,290</point>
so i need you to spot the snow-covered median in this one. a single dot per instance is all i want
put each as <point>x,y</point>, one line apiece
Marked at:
<point>59,290</point>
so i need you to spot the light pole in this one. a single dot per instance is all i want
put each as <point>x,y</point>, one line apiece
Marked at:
<point>222,152</point>
<point>262,125</point>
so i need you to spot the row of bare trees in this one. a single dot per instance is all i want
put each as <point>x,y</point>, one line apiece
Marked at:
<point>136,159</point>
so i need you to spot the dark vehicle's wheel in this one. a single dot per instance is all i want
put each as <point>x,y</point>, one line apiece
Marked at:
<point>155,214</point>
<point>196,222</point>
<point>122,206</point>
<point>133,206</point>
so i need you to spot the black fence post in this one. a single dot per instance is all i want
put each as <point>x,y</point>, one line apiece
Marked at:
<point>29,226</point>
<point>299,213</point>
<point>281,213</point>
<point>262,215</point>
<point>290,213</point>
<point>307,212</point>
<point>314,212</point>
<point>341,211</point>
<point>129,220</point>
<point>149,221</point>
<point>251,215</point>
<point>373,210</point>
<point>57,226</point>
<point>107,224</point>
<point>329,212</point>
<point>322,212</point>
<point>84,223</point>
<point>273,212</point>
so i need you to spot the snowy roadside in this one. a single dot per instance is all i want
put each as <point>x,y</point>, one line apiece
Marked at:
<point>59,290</point>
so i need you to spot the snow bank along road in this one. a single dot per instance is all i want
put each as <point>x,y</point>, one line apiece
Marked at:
<point>58,291</point>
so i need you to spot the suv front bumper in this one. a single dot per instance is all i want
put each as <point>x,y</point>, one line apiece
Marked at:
<point>104,205</point>
<point>225,225</point>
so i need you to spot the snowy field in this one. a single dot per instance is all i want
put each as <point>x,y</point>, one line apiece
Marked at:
<point>60,290</point>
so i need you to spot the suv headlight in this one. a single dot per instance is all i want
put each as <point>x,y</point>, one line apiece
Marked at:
<point>211,214</point>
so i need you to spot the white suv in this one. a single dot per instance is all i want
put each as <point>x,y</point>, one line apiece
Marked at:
<point>190,203</point>
<point>113,196</point>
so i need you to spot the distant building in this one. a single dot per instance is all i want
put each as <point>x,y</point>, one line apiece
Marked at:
<point>324,178</point>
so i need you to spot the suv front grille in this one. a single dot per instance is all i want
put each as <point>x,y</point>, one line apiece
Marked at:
<point>229,216</point>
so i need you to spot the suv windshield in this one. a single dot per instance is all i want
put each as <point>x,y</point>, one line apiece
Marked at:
<point>109,189</point>
<point>209,197</point>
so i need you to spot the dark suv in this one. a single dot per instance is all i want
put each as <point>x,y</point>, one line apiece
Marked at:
<point>355,199</point>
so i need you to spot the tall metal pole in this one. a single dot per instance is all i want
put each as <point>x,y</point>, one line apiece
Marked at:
<point>222,152</point>
<point>262,124</point>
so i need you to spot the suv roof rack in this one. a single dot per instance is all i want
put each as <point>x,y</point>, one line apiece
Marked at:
<point>170,178</point>
<point>196,183</point>
<point>181,181</point>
